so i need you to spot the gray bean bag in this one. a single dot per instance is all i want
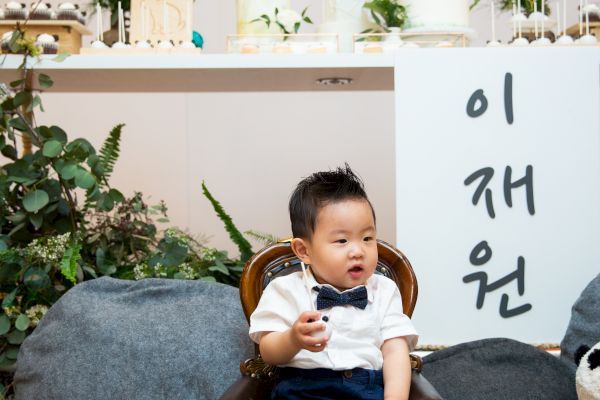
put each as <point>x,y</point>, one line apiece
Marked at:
<point>584,326</point>
<point>148,339</point>
<point>499,369</point>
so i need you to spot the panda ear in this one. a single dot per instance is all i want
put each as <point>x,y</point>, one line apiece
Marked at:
<point>580,352</point>
<point>594,359</point>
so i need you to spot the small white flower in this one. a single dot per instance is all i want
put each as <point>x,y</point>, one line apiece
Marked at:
<point>35,314</point>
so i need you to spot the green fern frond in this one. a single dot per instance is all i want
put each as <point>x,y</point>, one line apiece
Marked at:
<point>109,153</point>
<point>262,237</point>
<point>236,236</point>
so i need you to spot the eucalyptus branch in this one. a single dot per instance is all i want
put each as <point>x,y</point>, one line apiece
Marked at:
<point>72,205</point>
<point>30,128</point>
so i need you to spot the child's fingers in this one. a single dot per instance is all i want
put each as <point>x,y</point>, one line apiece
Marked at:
<point>316,344</point>
<point>307,316</point>
<point>310,327</point>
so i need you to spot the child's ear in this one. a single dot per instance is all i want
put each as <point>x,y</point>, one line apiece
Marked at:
<point>300,248</point>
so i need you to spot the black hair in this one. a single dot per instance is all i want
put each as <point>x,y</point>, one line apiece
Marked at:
<point>319,190</point>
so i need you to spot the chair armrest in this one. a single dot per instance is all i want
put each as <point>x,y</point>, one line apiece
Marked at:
<point>248,388</point>
<point>256,382</point>
<point>420,388</point>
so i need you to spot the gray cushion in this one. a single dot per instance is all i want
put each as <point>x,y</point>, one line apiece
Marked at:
<point>499,369</point>
<point>148,339</point>
<point>584,326</point>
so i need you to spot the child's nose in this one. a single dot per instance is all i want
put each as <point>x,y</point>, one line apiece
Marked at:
<point>356,250</point>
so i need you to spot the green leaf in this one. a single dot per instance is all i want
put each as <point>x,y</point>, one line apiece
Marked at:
<point>105,202</point>
<point>100,257</point>
<point>9,152</point>
<point>68,264</point>
<point>35,200</point>
<point>58,134</point>
<point>22,98</point>
<point>16,229</point>
<point>208,279</point>
<point>220,267</point>
<point>174,253</point>
<point>15,337</point>
<point>9,299</point>
<point>16,83</point>
<point>107,269</point>
<point>69,170</point>
<point>60,57</point>
<point>22,322</point>
<point>4,324</point>
<point>45,81</point>
<point>18,124</point>
<point>44,131</point>
<point>179,275</point>
<point>84,179</point>
<point>36,278</point>
<point>37,101</point>
<point>296,27</point>
<point>116,195</point>
<point>236,236</point>
<point>52,148</point>
<point>3,245</point>
<point>5,363</point>
<point>12,353</point>
<point>17,217</point>
<point>110,150</point>
<point>36,220</point>
<point>80,149</point>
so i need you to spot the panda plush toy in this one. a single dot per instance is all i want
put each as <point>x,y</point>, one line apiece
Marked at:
<point>587,377</point>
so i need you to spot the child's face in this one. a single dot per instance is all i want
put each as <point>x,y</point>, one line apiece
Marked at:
<point>343,248</point>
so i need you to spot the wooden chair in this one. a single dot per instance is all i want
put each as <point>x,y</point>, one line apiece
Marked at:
<point>278,260</point>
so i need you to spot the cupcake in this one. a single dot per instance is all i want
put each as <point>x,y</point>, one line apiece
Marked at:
<point>187,44</point>
<point>165,44</point>
<point>98,44</point>
<point>40,11</point>
<point>47,42</point>
<point>143,44</point>
<point>5,41</point>
<point>593,12</point>
<point>15,10</point>
<point>68,11</point>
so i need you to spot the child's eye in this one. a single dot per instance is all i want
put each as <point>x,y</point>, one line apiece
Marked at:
<point>368,238</point>
<point>341,241</point>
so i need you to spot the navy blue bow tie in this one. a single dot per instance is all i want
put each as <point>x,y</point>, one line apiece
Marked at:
<point>328,297</point>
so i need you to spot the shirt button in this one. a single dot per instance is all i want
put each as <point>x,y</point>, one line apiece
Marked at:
<point>348,374</point>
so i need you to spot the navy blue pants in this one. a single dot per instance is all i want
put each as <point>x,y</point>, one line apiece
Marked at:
<point>321,383</point>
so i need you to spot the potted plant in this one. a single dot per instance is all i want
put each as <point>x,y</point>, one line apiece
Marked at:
<point>287,21</point>
<point>389,15</point>
<point>527,6</point>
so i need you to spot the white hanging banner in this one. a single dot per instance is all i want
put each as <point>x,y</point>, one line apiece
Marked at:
<point>498,188</point>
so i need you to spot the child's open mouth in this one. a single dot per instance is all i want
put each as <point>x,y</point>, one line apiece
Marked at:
<point>356,272</point>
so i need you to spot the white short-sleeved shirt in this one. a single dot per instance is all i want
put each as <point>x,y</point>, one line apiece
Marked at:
<point>357,335</point>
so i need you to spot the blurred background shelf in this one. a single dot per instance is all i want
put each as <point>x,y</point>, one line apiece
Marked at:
<point>68,32</point>
<point>210,72</point>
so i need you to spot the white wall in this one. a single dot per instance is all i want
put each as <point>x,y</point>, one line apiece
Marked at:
<point>250,148</point>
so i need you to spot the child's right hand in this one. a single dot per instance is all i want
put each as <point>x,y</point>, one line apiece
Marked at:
<point>307,323</point>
